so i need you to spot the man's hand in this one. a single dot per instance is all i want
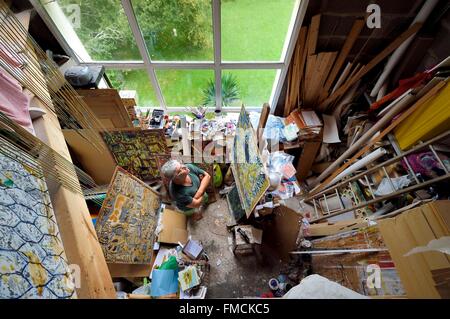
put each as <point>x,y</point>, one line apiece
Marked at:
<point>201,176</point>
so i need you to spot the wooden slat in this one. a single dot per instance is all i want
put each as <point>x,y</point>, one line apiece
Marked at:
<point>288,90</point>
<point>313,34</point>
<point>381,56</point>
<point>262,121</point>
<point>348,44</point>
<point>307,157</point>
<point>297,72</point>
<point>322,73</point>
<point>423,234</point>
<point>74,221</point>
<point>310,68</point>
<point>342,77</point>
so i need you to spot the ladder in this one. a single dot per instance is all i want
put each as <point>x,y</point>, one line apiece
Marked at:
<point>331,201</point>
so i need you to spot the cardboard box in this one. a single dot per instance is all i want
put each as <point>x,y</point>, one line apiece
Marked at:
<point>174,227</point>
<point>413,228</point>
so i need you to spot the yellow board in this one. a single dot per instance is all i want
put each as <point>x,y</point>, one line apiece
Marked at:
<point>426,122</point>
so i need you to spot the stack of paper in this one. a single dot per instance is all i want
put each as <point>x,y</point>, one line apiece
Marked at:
<point>308,123</point>
<point>189,278</point>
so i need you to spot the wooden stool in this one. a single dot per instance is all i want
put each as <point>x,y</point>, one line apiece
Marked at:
<point>245,237</point>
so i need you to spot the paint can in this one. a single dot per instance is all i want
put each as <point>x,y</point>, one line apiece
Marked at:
<point>274,284</point>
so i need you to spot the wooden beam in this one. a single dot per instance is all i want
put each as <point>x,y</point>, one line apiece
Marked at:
<point>309,75</point>
<point>326,61</point>
<point>262,121</point>
<point>348,44</point>
<point>313,34</point>
<point>74,221</point>
<point>298,67</point>
<point>341,79</point>
<point>288,90</point>
<point>381,56</point>
<point>307,157</point>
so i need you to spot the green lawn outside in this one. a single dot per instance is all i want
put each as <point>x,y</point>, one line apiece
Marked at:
<point>252,30</point>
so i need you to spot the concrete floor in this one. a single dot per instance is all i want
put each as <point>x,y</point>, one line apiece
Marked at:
<point>232,276</point>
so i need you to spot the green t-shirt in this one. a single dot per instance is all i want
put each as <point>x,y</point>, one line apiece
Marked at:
<point>183,195</point>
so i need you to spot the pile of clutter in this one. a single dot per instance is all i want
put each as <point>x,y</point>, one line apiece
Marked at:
<point>177,273</point>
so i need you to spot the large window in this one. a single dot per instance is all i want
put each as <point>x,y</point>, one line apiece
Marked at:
<point>178,53</point>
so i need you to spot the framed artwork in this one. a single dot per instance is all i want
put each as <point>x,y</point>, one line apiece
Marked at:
<point>234,204</point>
<point>127,221</point>
<point>248,169</point>
<point>33,262</point>
<point>135,150</point>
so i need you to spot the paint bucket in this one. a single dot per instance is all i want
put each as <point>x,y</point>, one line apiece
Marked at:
<point>268,198</point>
<point>274,284</point>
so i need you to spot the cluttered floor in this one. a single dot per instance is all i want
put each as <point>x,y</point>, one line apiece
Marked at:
<point>231,275</point>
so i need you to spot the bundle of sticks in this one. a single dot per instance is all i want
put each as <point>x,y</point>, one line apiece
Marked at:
<point>320,80</point>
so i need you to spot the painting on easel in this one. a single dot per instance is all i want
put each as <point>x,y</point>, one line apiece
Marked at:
<point>136,150</point>
<point>33,263</point>
<point>248,169</point>
<point>127,220</point>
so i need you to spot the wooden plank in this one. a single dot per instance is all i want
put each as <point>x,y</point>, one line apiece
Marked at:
<point>281,234</point>
<point>297,73</point>
<point>99,164</point>
<point>377,59</point>
<point>342,77</point>
<point>307,157</point>
<point>433,219</point>
<point>322,73</point>
<point>413,270</point>
<point>313,34</point>
<point>74,221</point>
<point>287,102</point>
<point>358,25</point>
<point>396,247</point>
<point>108,107</point>
<point>129,270</point>
<point>294,79</point>
<point>423,234</point>
<point>442,210</point>
<point>265,112</point>
<point>355,71</point>
<point>310,68</point>
<point>326,229</point>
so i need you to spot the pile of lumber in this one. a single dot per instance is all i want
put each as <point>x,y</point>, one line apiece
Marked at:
<point>319,81</point>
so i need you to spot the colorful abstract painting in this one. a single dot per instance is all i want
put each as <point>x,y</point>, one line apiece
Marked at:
<point>127,220</point>
<point>136,150</point>
<point>234,204</point>
<point>33,263</point>
<point>248,169</point>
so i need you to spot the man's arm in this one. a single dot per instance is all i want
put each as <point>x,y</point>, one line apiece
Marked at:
<point>196,202</point>
<point>203,185</point>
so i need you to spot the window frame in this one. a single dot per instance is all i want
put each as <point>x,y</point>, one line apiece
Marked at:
<point>217,65</point>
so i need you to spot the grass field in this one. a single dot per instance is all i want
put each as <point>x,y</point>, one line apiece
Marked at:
<point>252,30</point>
